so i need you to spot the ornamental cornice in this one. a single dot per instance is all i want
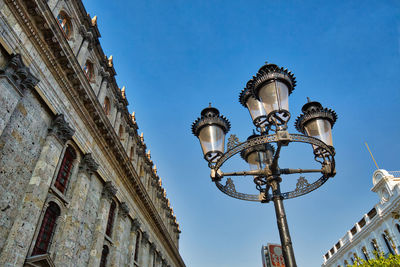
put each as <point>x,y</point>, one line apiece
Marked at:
<point>16,71</point>
<point>61,129</point>
<point>123,210</point>
<point>88,164</point>
<point>145,237</point>
<point>135,225</point>
<point>109,190</point>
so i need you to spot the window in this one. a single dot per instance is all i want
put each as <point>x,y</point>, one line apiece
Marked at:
<point>65,23</point>
<point>135,257</point>
<point>387,242</point>
<point>106,106</point>
<point>46,231</point>
<point>131,154</point>
<point>374,245</point>
<point>346,263</point>
<point>88,70</point>
<point>398,227</point>
<point>154,258</point>
<point>121,133</point>
<point>104,254</point>
<point>65,169</point>
<point>110,220</point>
<point>364,251</point>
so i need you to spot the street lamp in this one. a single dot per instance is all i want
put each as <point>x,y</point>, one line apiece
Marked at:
<point>266,96</point>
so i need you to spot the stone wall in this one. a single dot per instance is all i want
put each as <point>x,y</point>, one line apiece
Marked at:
<point>48,104</point>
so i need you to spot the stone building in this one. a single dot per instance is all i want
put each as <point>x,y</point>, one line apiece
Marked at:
<point>377,231</point>
<point>77,184</point>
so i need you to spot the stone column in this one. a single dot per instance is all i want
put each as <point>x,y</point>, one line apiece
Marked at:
<point>144,250</point>
<point>152,256</point>
<point>103,87</point>
<point>117,120</point>
<point>109,192</point>
<point>15,78</point>
<point>135,225</point>
<point>67,249</point>
<point>23,229</point>
<point>118,251</point>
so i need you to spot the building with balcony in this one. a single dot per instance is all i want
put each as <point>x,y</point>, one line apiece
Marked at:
<point>378,231</point>
<point>78,186</point>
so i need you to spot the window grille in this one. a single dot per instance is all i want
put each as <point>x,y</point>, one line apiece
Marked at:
<point>65,170</point>
<point>110,220</point>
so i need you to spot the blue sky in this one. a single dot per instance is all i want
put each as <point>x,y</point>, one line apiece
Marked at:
<point>174,57</point>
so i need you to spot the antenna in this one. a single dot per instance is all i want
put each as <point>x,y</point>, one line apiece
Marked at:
<point>372,155</point>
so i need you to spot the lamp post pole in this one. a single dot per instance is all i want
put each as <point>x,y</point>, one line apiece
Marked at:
<point>266,96</point>
<point>284,234</point>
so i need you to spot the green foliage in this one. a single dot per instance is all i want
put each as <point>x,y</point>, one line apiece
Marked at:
<point>391,261</point>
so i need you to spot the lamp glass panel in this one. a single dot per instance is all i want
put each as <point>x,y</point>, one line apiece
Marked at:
<point>256,108</point>
<point>321,129</point>
<point>257,160</point>
<point>212,138</point>
<point>274,96</point>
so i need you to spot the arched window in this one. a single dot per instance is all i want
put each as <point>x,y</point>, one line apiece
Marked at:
<point>88,70</point>
<point>135,257</point>
<point>365,253</point>
<point>106,105</point>
<point>387,242</point>
<point>374,245</point>
<point>65,169</point>
<point>121,133</point>
<point>110,220</point>
<point>43,240</point>
<point>131,154</point>
<point>104,254</point>
<point>65,23</point>
<point>346,263</point>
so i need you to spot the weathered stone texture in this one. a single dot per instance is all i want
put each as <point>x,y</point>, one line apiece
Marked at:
<point>87,227</point>
<point>20,144</point>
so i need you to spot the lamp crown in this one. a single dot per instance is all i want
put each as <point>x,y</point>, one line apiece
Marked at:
<point>270,72</point>
<point>314,110</point>
<point>210,116</point>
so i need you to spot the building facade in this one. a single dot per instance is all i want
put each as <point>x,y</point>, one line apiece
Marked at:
<point>77,183</point>
<point>378,231</point>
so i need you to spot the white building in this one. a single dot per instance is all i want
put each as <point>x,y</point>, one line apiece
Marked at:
<point>377,230</point>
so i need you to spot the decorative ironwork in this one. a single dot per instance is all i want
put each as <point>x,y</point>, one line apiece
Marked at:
<point>302,187</point>
<point>301,183</point>
<point>232,141</point>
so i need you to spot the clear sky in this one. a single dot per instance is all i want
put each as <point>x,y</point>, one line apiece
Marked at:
<point>176,56</point>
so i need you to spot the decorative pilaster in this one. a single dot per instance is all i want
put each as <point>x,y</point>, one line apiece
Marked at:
<point>152,255</point>
<point>118,252</point>
<point>22,231</point>
<point>15,78</point>
<point>74,218</point>
<point>109,191</point>
<point>135,226</point>
<point>144,259</point>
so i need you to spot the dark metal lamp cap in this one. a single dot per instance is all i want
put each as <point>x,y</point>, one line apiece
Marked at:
<point>314,110</point>
<point>261,148</point>
<point>210,116</point>
<point>270,72</point>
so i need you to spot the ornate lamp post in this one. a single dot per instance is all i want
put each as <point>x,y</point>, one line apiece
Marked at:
<point>266,96</point>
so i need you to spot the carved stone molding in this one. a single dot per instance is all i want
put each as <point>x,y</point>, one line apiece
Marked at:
<point>145,237</point>
<point>109,190</point>
<point>123,210</point>
<point>61,129</point>
<point>88,164</point>
<point>19,74</point>
<point>135,225</point>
